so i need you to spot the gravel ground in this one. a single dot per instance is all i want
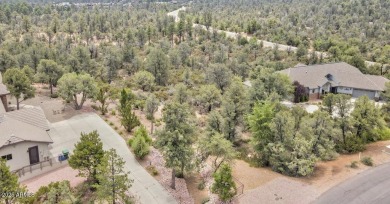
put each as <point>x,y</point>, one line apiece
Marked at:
<point>61,174</point>
<point>280,190</point>
<point>181,193</point>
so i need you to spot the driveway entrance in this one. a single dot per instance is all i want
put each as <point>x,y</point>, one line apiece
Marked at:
<point>66,133</point>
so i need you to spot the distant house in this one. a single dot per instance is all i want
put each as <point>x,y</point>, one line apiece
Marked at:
<point>336,78</point>
<point>24,137</point>
<point>3,96</point>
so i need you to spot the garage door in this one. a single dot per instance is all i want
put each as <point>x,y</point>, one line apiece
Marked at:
<point>359,92</point>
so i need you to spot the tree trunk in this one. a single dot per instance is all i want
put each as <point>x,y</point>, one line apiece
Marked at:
<point>83,98</point>
<point>343,133</point>
<point>76,105</point>
<point>382,70</point>
<point>151,128</point>
<point>173,179</point>
<point>51,88</point>
<point>113,182</point>
<point>17,103</point>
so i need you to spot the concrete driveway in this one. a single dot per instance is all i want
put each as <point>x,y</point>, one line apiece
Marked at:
<point>66,133</point>
<point>371,186</point>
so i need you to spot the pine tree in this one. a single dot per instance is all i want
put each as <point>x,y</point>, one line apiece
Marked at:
<point>218,147</point>
<point>87,155</point>
<point>18,84</point>
<point>176,139</point>
<point>114,182</point>
<point>151,107</point>
<point>8,182</point>
<point>366,119</point>
<point>128,118</point>
<point>102,96</point>
<point>49,71</point>
<point>140,142</point>
<point>223,184</point>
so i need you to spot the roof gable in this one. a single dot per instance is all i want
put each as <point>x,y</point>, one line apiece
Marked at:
<point>343,74</point>
<point>28,124</point>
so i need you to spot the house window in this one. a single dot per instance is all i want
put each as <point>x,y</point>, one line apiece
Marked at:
<point>312,91</point>
<point>7,157</point>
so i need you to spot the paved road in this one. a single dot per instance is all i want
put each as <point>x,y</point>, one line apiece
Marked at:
<point>175,13</point>
<point>66,133</point>
<point>369,187</point>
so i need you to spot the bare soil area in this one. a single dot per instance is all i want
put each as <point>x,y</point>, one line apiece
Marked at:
<point>61,174</point>
<point>271,187</point>
<point>331,173</point>
<point>54,108</point>
<point>192,184</point>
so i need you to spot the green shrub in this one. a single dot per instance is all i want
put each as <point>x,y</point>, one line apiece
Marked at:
<point>140,147</point>
<point>367,161</point>
<point>115,128</point>
<point>142,132</point>
<point>111,123</point>
<point>354,165</point>
<point>139,104</point>
<point>130,141</point>
<point>201,185</point>
<point>54,95</point>
<point>384,134</point>
<point>152,170</point>
<point>205,200</point>
<point>113,112</point>
<point>93,106</point>
<point>353,144</point>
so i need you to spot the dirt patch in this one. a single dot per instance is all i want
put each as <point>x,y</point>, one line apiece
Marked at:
<point>54,108</point>
<point>192,184</point>
<point>259,183</point>
<point>252,177</point>
<point>331,173</point>
<point>60,174</point>
<point>181,193</point>
<point>280,190</point>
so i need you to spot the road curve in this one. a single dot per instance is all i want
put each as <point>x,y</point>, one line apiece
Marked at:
<point>369,187</point>
<point>282,47</point>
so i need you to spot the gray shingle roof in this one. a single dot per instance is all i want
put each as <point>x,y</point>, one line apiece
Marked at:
<point>28,124</point>
<point>380,81</point>
<point>344,74</point>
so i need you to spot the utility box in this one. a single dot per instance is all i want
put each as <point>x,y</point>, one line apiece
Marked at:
<point>65,152</point>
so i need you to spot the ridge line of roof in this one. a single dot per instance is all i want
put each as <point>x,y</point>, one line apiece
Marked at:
<point>313,65</point>
<point>372,82</point>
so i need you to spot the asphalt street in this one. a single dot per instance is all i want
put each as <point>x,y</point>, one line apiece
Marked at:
<point>369,187</point>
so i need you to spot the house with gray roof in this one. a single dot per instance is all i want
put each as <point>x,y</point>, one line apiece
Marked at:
<point>24,137</point>
<point>336,78</point>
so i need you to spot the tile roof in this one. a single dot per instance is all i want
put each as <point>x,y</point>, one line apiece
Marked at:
<point>343,74</point>
<point>27,124</point>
